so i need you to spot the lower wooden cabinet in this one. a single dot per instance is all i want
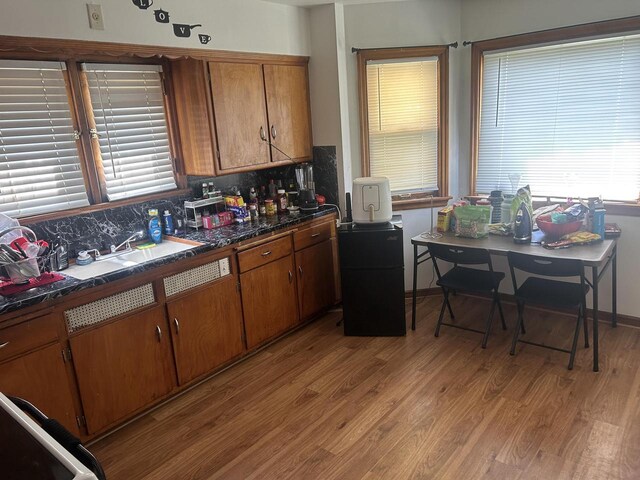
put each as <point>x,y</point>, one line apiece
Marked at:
<point>123,366</point>
<point>269,300</point>
<point>316,285</point>
<point>40,377</point>
<point>206,328</point>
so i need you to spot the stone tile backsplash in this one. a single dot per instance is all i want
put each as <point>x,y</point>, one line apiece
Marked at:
<point>102,228</point>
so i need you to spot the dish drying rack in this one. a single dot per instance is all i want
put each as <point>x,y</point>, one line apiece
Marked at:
<point>20,271</point>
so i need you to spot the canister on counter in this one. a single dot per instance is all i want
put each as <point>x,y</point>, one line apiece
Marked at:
<point>270,207</point>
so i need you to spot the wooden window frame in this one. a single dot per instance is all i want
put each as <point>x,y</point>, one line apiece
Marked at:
<point>549,37</point>
<point>66,52</point>
<point>418,199</point>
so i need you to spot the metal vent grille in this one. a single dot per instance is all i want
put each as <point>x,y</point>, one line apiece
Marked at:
<point>196,276</point>
<point>108,307</point>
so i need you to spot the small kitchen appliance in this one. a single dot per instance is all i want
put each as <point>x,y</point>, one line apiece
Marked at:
<point>371,200</point>
<point>306,187</point>
<point>522,225</point>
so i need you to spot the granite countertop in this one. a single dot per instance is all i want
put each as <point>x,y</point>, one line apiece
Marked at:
<point>210,239</point>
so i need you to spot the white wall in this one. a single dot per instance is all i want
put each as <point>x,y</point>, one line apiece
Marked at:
<point>484,19</point>
<point>240,25</point>
<point>405,24</point>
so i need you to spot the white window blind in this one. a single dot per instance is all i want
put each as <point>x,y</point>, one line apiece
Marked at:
<point>402,97</point>
<point>128,108</point>
<point>39,165</point>
<point>566,117</point>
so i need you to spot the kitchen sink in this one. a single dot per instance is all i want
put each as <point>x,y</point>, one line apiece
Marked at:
<point>129,259</point>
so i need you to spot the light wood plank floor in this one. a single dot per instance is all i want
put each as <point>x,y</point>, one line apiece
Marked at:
<point>318,405</point>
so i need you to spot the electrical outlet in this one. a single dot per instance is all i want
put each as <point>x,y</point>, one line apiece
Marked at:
<point>96,20</point>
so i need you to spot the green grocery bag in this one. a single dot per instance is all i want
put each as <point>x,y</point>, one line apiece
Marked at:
<point>472,221</point>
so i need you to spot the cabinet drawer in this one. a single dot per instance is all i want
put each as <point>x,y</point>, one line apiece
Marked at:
<point>269,252</point>
<point>312,235</point>
<point>27,336</point>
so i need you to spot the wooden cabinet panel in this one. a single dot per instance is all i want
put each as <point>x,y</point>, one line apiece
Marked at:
<point>40,377</point>
<point>192,110</point>
<point>312,235</point>
<point>269,300</point>
<point>123,366</point>
<point>240,114</point>
<point>27,336</point>
<point>206,328</point>
<point>263,254</point>
<point>316,286</point>
<point>287,91</point>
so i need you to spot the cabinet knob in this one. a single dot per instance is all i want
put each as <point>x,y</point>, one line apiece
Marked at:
<point>2,345</point>
<point>273,132</point>
<point>263,136</point>
<point>177,324</point>
<point>290,276</point>
<point>300,269</point>
<point>159,333</point>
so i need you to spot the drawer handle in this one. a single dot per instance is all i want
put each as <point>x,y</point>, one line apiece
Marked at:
<point>290,276</point>
<point>300,269</point>
<point>315,235</point>
<point>263,137</point>
<point>159,333</point>
<point>2,345</point>
<point>267,253</point>
<point>177,324</point>
<point>273,132</point>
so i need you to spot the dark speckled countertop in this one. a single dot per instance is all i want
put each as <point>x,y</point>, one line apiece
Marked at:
<point>210,239</point>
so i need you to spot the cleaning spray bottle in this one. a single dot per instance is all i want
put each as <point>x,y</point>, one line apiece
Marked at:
<point>155,230</point>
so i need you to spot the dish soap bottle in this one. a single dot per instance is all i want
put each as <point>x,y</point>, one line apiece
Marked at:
<point>155,231</point>
<point>167,221</point>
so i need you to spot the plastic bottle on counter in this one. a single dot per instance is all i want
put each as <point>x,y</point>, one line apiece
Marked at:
<point>253,212</point>
<point>167,221</point>
<point>270,207</point>
<point>505,208</point>
<point>272,189</point>
<point>281,201</point>
<point>155,230</point>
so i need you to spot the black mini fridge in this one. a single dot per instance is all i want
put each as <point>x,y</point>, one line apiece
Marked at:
<point>372,274</point>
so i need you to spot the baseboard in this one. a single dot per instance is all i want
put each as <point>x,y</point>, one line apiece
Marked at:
<point>604,317</point>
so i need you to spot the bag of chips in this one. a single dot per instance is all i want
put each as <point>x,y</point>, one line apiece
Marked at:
<point>472,221</point>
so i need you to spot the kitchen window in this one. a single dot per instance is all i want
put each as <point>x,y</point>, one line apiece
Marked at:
<point>132,136</point>
<point>40,168</point>
<point>119,110</point>
<point>564,115</point>
<point>403,105</point>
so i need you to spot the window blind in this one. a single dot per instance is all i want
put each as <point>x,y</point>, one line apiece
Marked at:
<point>402,96</point>
<point>39,165</point>
<point>566,117</point>
<point>130,119</point>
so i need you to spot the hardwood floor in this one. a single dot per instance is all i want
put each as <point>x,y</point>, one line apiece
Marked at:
<point>318,405</point>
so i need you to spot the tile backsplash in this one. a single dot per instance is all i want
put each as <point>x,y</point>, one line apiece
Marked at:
<point>111,226</point>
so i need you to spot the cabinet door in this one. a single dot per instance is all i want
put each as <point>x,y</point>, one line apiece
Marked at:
<point>192,110</point>
<point>206,328</point>
<point>269,300</point>
<point>240,115</point>
<point>316,286</point>
<point>123,366</point>
<point>40,377</point>
<point>287,90</point>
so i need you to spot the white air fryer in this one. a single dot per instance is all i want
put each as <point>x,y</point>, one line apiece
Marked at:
<point>371,198</point>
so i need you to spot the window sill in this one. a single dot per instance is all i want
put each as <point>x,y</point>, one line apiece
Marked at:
<point>415,203</point>
<point>103,206</point>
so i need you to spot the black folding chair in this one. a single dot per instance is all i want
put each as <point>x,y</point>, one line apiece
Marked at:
<point>462,279</point>
<point>551,293</point>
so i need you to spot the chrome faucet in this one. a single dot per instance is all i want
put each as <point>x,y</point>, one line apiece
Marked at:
<point>127,242</point>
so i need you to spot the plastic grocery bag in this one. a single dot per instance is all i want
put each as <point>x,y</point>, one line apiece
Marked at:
<point>472,221</point>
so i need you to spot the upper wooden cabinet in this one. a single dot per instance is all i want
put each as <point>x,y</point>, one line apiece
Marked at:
<point>287,90</point>
<point>240,115</point>
<point>229,112</point>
